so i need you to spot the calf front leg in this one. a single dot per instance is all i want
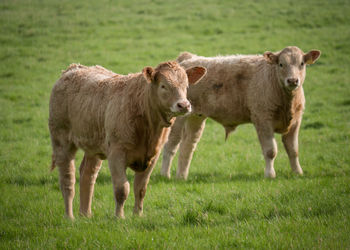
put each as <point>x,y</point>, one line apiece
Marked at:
<point>140,186</point>
<point>89,168</point>
<point>269,147</point>
<point>192,133</point>
<point>117,166</point>
<point>290,142</point>
<point>172,145</point>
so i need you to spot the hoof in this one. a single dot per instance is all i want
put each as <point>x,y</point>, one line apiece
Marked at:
<point>181,177</point>
<point>120,215</point>
<point>86,215</point>
<point>70,217</point>
<point>138,213</point>
<point>270,174</point>
<point>298,171</point>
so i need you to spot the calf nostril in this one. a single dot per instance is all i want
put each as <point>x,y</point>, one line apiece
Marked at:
<point>293,81</point>
<point>183,105</point>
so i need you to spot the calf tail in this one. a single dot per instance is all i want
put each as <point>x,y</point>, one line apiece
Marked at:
<point>53,163</point>
<point>184,56</point>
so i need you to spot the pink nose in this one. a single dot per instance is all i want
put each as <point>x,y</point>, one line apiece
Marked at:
<point>293,81</point>
<point>184,106</point>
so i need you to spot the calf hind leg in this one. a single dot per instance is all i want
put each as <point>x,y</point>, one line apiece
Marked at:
<point>89,168</point>
<point>64,159</point>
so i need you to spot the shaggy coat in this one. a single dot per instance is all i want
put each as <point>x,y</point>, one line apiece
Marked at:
<point>265,90</point>
<point>122,118</point>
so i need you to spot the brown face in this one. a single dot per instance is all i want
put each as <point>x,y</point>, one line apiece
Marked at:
<point>171,83</point>
<point>290,65</point>
<point>172,92</point>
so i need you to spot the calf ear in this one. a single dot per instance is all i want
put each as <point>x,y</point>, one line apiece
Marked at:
<point>148,73</point>
<point>195,74</point>
<point>312,56</point>
<point>271,57</point>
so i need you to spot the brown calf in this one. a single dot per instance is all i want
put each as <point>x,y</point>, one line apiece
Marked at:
<point>124,119</point>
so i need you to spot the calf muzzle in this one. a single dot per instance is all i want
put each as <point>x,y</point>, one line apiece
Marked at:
<point>183,106</point>
<point>292,83</point>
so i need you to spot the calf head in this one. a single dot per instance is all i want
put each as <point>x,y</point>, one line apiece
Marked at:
<point>290,65</point>
<point>169,86</point>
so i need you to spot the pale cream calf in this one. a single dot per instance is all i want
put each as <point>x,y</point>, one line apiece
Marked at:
<point>124,119</point>
<point>265,90</point>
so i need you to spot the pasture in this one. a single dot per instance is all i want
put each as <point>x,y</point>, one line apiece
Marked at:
<point>226,201</point>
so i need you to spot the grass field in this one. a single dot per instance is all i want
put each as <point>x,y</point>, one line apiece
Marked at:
<point>226,202</point>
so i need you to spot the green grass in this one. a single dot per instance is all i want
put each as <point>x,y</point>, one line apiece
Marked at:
<point>226,202</point>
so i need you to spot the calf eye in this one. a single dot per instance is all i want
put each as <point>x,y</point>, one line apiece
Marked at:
<point>302,63</point>
<point>162,86</point>
<point>281,65</point>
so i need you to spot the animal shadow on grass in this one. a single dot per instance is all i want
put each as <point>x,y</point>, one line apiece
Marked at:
<point>52,179</point>
<point>314,125</point>
<point>215,177</point>
<point>345,103</point>
<point>33,181</point>
<point>327,173</point>
<point>8,234</point>
<point>105,178</point>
